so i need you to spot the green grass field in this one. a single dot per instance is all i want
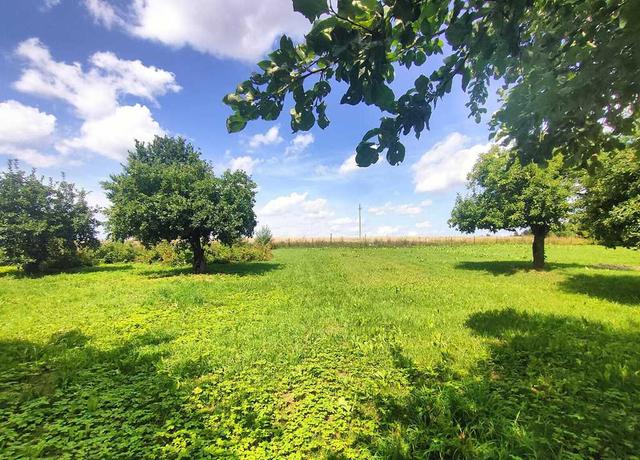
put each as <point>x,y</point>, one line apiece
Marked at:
<point>440,351</point>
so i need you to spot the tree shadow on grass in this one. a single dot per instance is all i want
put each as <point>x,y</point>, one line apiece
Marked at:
<point>68,398</point>
<point>552,387</point>
<point>624,289</point>
<point>236,268</point>
<point>16,273</point>
<point>511,267</point>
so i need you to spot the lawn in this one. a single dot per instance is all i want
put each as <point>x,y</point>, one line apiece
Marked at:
<point>439,351</point>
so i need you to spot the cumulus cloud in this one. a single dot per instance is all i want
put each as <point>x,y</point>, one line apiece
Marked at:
<point>95,92</point>
<point>298,214</point>
<point>103,13</point>
<point>424,224</point>
<point>22,130</point>
<point>112,136</point>
<point>238,29</point>
<point>446,164</point>
<point>299,144</point>
<point>30,156</point>
<point>244,163</point>
<point>108,128</point>
<point>349,165</point>
<point>389,208</point>
<point>22,124</point>
<point>271,137</point>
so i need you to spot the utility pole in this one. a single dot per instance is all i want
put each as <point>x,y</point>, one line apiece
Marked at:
<point>359,221</point>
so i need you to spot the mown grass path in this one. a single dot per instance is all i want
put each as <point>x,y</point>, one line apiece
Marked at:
<point>454,351</point>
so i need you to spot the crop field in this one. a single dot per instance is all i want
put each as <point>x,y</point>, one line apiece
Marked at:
<point>412,352</point>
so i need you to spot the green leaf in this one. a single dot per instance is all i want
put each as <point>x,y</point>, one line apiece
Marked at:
<point>422,84</point>
<point>366,154</point>
<point>384,97</point>
<point>311,9</point>
<point>323,121</point>
<point>265,65</point>
<point>235,123</point>
<point>395,154</point>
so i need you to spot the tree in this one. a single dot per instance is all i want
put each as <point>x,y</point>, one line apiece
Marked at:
<point>610,202</point>
<point>565,68</point>
<point>42,222</point>
<point>505,195</point>
<point>166,191</point>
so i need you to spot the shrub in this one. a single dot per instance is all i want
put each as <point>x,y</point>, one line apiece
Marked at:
<point>112,252</point>
<point>239,252</point>
<point>263,236</point>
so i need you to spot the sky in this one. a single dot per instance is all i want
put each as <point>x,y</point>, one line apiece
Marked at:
<point>81,79</point>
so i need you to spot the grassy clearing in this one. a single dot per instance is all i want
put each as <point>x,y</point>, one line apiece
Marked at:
<point>336,353</point>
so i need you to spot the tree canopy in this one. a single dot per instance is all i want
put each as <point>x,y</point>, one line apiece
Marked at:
<point>42,222</point>
<point>610,202</point>
<point>568,70</point>
<point>166,192</point>
<point>505,195</point>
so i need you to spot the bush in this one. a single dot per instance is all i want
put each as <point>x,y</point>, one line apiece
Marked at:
<point>239,252</point>
<point>112,252</point>
<point>176,253</point>
<point>263,236</point>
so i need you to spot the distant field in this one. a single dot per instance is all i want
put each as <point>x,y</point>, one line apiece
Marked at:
<point>399,241</point>
<point>430,351</point>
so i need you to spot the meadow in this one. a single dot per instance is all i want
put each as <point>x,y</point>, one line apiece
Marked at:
<point>454,351</point>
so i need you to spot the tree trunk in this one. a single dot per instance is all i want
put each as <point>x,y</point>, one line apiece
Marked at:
<point>539,234</point>
<point>199,263</point>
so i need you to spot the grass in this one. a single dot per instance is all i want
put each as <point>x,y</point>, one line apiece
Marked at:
<point>437,351</point>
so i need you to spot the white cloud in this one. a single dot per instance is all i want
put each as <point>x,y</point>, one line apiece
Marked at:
<point>349,165</point>
<point>30,156</point>
<point>299,144</point>
<point>22,130</point>
<point>271,137</point>
<point>283,204</point>
<point>22,124</point>
<point>103,13</point>
<point>446,164</point>
<point>48,4</point>
<point>387,230</point>
<point>425,224</point>
<point>297,214</point>
<point>108,128</point>
<point>244,163</point>
<point>93,93</point>
<point>113,135</point>
<point>238,29</point>
<point>389,208</point>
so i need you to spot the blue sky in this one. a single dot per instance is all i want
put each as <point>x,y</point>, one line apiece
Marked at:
<point>80,79</point>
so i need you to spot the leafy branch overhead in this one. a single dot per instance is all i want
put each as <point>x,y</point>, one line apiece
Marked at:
<point>568,70</point>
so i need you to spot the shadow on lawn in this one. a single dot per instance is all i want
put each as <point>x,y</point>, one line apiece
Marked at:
<point>235,268</point>
<point>624,289</point>
<point>15,273</point>
<point>67,397</point>
<point>552,387</point>
<point>511,267</point>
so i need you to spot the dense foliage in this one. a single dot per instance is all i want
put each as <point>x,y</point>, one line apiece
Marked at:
<point>565,68</point>
<point>42,222</point>
<point>167,192</point>
<point>610,202</point>
<point>177,253</point>
<point>263,236</point>
<point>505,195</point>
<point>388,353</point>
